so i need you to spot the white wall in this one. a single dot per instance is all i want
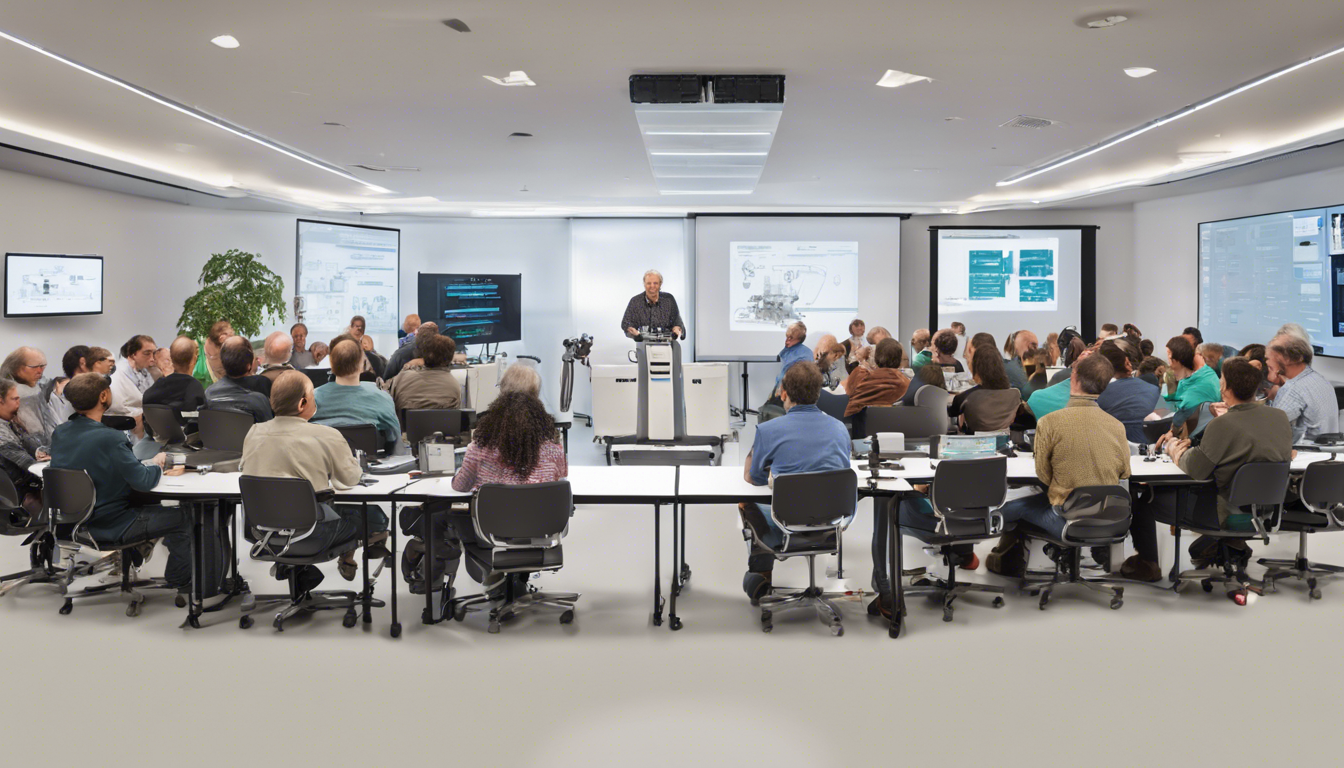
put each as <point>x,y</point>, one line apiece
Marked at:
<point>1115,249</point>
<point>1166,250</point>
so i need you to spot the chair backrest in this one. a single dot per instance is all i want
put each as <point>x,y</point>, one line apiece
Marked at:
<point>9,495</point>
<point>368,376</point>
<point>1259,483</point>
<point>224,430</point>
<point>1199,420</point>
<point>833,404</point>
<point>68,495</point>
<point>935,398</point>
<point>1097,514</point>
<point>913,421</point>
<point>970,489</point>
<point>279,503</point>
<point>1322,488</point>
<point>508,514</point>
<point>809,500</point>
<point>361,437</point>
<point>423,422</point>
<point>318,376</point>
<point>165,423</point>
<point>1152,430</point>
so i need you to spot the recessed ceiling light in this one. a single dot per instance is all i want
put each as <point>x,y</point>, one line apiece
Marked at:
<point>952,119</point>
<point>456,24</point>
<point>1139,71</point>
<point>709,154</point>
<point>516,77</point>
<point>707,133</point>
<point>225,41</point>
<point>1108,21</point>
<point>894,78</point>
<point>520,135</point>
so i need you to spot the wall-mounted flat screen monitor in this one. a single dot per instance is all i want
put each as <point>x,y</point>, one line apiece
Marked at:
<point>48,285</point>
<point>473,309</point>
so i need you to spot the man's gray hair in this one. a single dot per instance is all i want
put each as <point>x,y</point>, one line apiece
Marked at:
<point>655,273</point>
<point>520,378</point>
<point>1293,329</point>
<point>798,330</point>
<point>1295,348</point>
<point>9,369</point>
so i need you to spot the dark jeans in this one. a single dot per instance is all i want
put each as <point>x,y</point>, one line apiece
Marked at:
<point>915,514</point>
<point>1158,503</point>
<point>173,525</point>
<point>452,530</point>
<point>760,559</point>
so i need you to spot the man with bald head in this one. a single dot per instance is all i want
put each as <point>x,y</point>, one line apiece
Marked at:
<point>27,367</point>
<point>276,354</point>
<point>178,389</point>
<point>408,352</point>
<point>235,392</point>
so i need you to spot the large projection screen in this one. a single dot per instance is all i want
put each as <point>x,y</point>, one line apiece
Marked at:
<point>1003,279</point>
<point>755,275</point>
<point>345,270</point>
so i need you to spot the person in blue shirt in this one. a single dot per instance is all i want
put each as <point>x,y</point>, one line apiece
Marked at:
<point>794,352</point>
<point>1128,398</point>
<point>802,440</point>
<point>347,400</point>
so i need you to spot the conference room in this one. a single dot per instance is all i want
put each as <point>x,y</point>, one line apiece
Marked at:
<point>670,371</point>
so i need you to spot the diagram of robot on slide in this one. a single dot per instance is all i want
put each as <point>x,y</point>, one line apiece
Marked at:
<point>773,284</point>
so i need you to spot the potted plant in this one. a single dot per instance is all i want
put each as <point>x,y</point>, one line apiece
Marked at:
<point>236,287</point>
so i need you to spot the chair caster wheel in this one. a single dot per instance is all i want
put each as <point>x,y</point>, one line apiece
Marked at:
<point>766,616</point>
<point>426,617</point>
<point>180,601</point>
<point>245,622</point>
<point>675,624</point>
<point>1238,597</point>
<point>998,602</point>
<point>396,630</point>
<point>767,627</point>
<point>568,617</point>
<point>1116,603</point>
<point>894,629</point>
<point>350,619</point>
<point>1045,600</point>
<point>194,621</point>
<point>460,614</point>
<point>837,630</point>
<point>685,573</point>
<point>1314,594</point>
<point>493,628</point>
<point>134,610</point>
<point>67,608</point>
<point>947,614</point>
<point>279,624</point>
<point>1207,585</point>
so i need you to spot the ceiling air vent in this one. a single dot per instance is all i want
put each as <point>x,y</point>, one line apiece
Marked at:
<point>1023,121</point>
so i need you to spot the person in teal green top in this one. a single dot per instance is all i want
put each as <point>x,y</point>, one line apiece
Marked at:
<point>920,343</point>
<point>1196,383</point>
<point>347,400</point>
<point>1049,399</point>
<point>940,351</point>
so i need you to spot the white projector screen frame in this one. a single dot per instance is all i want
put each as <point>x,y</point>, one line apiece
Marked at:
<point>878,239</point>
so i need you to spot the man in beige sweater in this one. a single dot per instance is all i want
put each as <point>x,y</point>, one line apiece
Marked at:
<point>289,446</point>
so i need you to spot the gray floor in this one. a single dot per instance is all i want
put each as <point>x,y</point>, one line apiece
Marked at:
<point>1166,680</point>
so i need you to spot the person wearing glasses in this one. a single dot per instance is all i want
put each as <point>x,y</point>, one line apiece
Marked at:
<point>132,377</point>
<point>27,367</point>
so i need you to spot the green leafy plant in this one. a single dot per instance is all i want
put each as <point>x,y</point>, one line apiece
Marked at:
<point>237,288</point>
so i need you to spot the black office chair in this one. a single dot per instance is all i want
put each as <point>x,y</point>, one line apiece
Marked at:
<point>1322,494</point>
<point>43,567</point>
<point>361,437</point>
<point>812,508</point>
<point>68,499</point>
<point>937,399</point>
<point>519,529</point>
<point>833,404</point>
<point>1098,516</point>
<point>280,514</point>
<point>165,426</point>
<point>420,423</point>
<point>368,376</point>
<point>917,423</point>
<point>222,434</point>
<point>1154,430</point>
<point>1261,487</point>
<point>318,376</point>
<point>965,496</point>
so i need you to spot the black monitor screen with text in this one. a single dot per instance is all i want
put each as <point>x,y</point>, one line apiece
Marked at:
<point>473,309</point>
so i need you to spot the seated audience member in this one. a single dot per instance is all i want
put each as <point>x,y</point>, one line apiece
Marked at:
<point>1132,332</point>
<point>853,344</point>
<point>209,369</point>
<point>178,390</point>
<point>1304,395</point>
<point>1128,398</point>
<point>1255,353</point>
<point>877,334</point>
<point>357,326</point>
<point>1196,383</point>
<point>85,443</point>
<point>408,328</point>
<point>320,351</point>
<point>408,352</point>
<point>277,353</point>
<point>1038,370</point>
<point>1248,431</point>
<point>521,378</point>
<point>794,351</point>
<point>19,449</point>
<point>925,376</point>
<point>1108,331</point>
<point>978,340</point>
<point>290,446</point>
<point>347,400</point>
<point>1211,354</point>
<point>1192,335</point>
<point>515,442</point>
<point>163,363</point>
<point>132,377</point>
<point>830,359</point>
<point>431,386</point>
<point>1153,370</point>
<point>1072,352</point>
<point>940,352</point>
<point>1077,446</point>
<point>1146,347</point>
<point>884,384</point>
<point>27,368</point>
<point>802,440</point>
<point>991,405</point>
<point>1056,395</point>
<point>301,357</point>
<point>234,392</point>
<point>377,364</point>
<point>1052,349</point>
<point>77,359</point>
<point>1024,344</point>
<point>920,353</point>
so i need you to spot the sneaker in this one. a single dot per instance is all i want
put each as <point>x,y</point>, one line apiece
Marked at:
<point>756,585</point>
<point>1010,561</point>
<point>309,577</point>
<point>880,606</point>
<point>1138,569</point>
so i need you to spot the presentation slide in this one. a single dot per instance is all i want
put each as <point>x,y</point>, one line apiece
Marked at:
<point>1259,272</point>
<point>473,309</point>
<point>756,275</point>
<point>1003,280</point>
<point>773,284</point>
<point>346,270</point>
<point>38,285</point>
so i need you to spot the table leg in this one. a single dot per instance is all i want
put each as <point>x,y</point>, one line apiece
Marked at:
<point>368,588</point>
<point>896,564</point>
<point>233,550</point>
<point>427,565</point>
<point>679,558</point>
<point>1182,498</point>
<point>657,570</point>
<point>194,598</point>
<point>392,537</point>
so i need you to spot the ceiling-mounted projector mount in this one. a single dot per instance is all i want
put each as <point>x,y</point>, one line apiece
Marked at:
<point>707,89</point>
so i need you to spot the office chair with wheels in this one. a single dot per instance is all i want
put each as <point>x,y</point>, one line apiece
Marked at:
<point>222,434</point>
<point>937,399</point>
<point>281,514</point>
<point>165,425</point>
<point>917,423</point>
<point>361,437</point>
<point>1262,487</point>
<point>420,423</point>
<point>318,376</point>
<point>1322,494</point>
<point>965,497</point>
<point>811,509</point>
<point>43,567</point>
<point>68,499</point>
<point>518,531</point>
<point>833,405</point>
<point>1154,430</point>
<point>1099,516</point>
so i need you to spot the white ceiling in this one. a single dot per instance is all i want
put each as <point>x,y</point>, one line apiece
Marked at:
<point>410,92</point>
